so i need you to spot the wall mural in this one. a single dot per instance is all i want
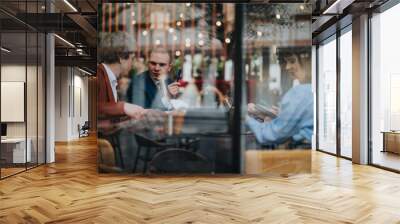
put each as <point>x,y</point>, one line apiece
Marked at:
<point>166,91</point>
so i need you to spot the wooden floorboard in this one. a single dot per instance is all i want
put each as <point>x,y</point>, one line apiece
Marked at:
<point>71,191</point>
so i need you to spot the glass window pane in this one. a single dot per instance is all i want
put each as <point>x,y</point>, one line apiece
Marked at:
<point>327,96</point>
<point>346,94</point>
<point>183,65</point>
<point>385,89</point>
<point>277,47</point>
<point>14,149</point>
<point>31,101</point>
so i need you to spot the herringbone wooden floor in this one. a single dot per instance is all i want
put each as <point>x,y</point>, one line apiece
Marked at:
<point>71,191</point>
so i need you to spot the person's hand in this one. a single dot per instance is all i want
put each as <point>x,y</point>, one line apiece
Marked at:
<point>275,110</point>
<point>134,111</point>
<point>251,108</point>
<point>173,89</point>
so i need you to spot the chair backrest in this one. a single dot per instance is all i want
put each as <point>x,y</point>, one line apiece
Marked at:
<point>145,142</point>
<point>86,125</point>
<point>106,153</point>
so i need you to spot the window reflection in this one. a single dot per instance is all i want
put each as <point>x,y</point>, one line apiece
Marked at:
<point>279,92</point>
<point>180,83</point>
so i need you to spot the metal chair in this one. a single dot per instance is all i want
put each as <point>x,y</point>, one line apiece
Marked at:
<point>149,145</point>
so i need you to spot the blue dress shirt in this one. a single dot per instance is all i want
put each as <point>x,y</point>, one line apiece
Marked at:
<point>295,120</point>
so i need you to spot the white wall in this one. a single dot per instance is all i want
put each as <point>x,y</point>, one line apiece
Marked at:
<point>71,94</point>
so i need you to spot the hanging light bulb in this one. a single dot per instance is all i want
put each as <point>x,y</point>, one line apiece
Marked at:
<point>133,22</point>
<point>158,42</point>
<point>227,40</point>
<point>201,42</point>
<point>177,53</point>
<point>200,35</point>
<point>133,14</point>
<point>259,33</point>
<point>144,33</point>
<point>178,23</point>
<point>302,7</point>
<point>188,4</point>
<point>278,16</point>
<point>181,15</point>
<point>171,30</point>
<point>218,23</point>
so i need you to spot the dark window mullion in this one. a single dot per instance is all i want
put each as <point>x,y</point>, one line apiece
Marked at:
<point>338,98</point>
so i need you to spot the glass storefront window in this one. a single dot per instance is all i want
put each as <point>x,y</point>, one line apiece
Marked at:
<point>280,121</point>
<point>182,56</point>
<point>385,89</point>
<point>193,46</point>
<point>327,96</point>
<point>22,89</point>
<point>346,94</point>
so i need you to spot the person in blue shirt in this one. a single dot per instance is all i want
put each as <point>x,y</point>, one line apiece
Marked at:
<point>295,119</point>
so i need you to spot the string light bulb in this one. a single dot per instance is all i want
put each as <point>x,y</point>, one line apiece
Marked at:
<point>201,42</point>
<point>218,23</point>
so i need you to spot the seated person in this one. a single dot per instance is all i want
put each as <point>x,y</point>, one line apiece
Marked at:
<point>116,55</point>
<point>295,119</point>
<point>149,89</point>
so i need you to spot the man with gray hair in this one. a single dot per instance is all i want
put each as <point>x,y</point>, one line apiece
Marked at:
<point>115,56</point>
